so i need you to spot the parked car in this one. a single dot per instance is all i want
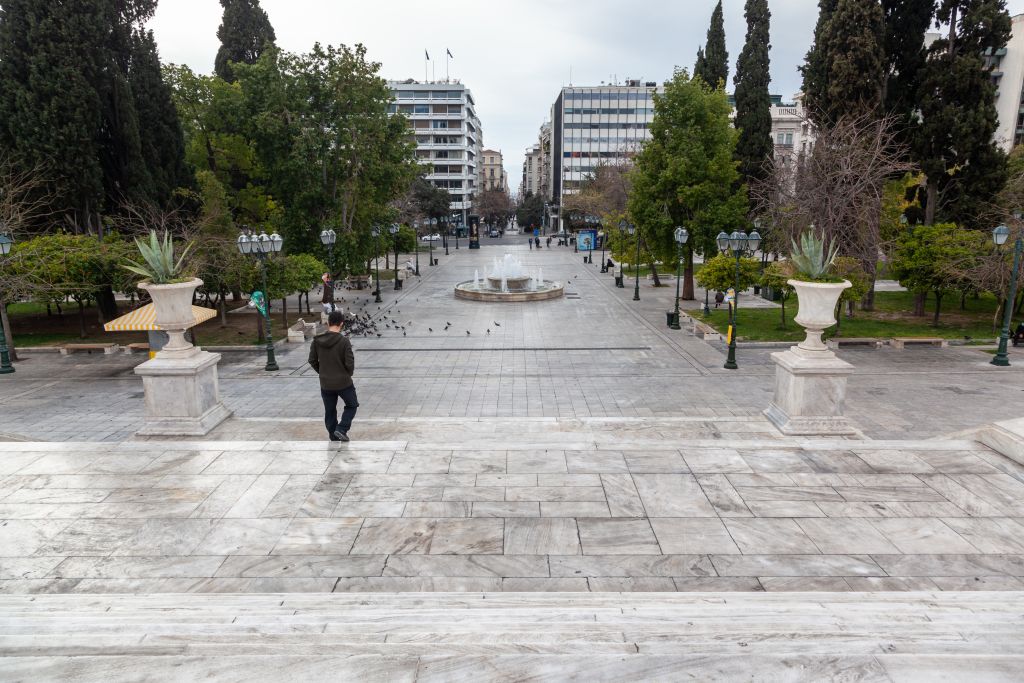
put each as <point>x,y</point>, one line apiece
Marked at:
<point>493,233</point>
<point>436,237</point>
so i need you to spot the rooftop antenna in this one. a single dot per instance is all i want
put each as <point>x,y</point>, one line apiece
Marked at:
<point>570,75</point>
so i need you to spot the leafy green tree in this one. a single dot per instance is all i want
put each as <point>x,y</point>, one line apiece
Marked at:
<point>934,258</point>
<point>430,200</point>
<point>777,276</point>
<point>686,175</point>
<point>295,273</point>
<point>853,62</point>
<point>954,143</point>
<point>530,213</point>
<point>850,269</point>
<point>720,273</point>
<point>245,32</point>
<point>713,60</point>
<point>753,102</point>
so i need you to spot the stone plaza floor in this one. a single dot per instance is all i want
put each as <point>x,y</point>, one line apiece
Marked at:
<point>595,353</point>
<point>570,445</point>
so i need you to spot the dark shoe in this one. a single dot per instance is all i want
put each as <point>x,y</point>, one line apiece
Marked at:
<point>340,436</point>
<point>332,437</point>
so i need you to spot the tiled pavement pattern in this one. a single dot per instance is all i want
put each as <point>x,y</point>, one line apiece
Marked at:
<point>626,508</point>
<point>595,353</point>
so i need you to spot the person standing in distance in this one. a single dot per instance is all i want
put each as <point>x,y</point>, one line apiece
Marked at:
<point>331,357</point>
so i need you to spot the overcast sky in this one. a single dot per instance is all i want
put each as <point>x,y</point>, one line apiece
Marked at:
<point>513,56</point>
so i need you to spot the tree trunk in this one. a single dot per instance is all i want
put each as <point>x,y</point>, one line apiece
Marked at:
<point>783,301</point>
<point>963,301</point>
<point>938,308</point>
<point>8,332</point>
<point>106,302</point>
<point>849,308</point>
<point>688,294</point>
<point>284,313</point>
<point>998,317</point>
<point>920,299</point>
<point>932,197</point>
<point>868,303</point>
<point>81,319</point>
<point>839,318</point>
<point>260,336</point>
<point>223,306</point>
<point>654,274</point>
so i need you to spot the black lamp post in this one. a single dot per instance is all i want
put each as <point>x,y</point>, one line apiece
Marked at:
<point>736,245</point>
<point>444,234</point>
<point>619,279</point>
<point>433,226</point>
<point>631,229</point>
<point>416,229</point>
<point>999,236</point>
<point>375,232</point>
<point>604,238</point>
<point>6,367</point>
<point>263,247</point>
<point>393,229</point>
<point>457,227</point>
<point>681,236</point>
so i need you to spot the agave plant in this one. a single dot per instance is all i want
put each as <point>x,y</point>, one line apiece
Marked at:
<point>160,268</point>
<point>813,258</point>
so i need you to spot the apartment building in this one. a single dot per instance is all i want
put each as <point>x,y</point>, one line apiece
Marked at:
<point>493,176</point>
<point>448,136</point>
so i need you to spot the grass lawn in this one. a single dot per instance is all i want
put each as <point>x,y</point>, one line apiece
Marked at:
<point>32,327</point>
<point>892,318</point>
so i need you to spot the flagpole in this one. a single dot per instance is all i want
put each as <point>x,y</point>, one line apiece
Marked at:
<point>447,61</point>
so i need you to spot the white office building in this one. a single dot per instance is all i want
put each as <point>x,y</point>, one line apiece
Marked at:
<point>447,134</point>
<point>591,126</point>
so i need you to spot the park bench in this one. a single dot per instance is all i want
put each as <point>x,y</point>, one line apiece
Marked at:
<point>359,281</point>
<point>136,346</point>
<point>107,349</point>
<point>301,331</point>
<point>705,332</point>
<point>899,342</point>
<point>836,342</point>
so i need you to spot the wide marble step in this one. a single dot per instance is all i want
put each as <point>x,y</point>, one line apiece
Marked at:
<point>570,636</point>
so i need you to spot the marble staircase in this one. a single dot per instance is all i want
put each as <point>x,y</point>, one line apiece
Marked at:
<point>486,636</point>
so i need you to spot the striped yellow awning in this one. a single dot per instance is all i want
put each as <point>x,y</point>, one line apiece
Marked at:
<point>144,319</point>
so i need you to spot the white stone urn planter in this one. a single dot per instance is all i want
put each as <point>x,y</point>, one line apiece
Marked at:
<point>173,306</point>
<point>816,311</point>
<point>810,381</point>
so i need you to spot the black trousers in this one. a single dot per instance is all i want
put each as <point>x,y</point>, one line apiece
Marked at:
<point>330,397</point>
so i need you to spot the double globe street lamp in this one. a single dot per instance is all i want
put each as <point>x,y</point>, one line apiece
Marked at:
<point>681,236</point>
<point>6,367</point>
<point>328,237</point>
<point>736,245</point>
<point>263,246</point>
<point>1000,235</point>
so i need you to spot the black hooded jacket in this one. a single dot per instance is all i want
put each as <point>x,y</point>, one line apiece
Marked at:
<point>330,355</point>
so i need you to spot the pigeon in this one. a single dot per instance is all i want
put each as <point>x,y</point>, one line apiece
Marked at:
<point>378,334</point>
<point>488,330</point>
<point>497,324</point>
<point>403,334</point>
<point>467,333</point>
<point>430,329</point>
<point>448,323</point>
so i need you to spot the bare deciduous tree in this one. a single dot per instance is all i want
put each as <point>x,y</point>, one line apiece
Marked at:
<point>838,187</point>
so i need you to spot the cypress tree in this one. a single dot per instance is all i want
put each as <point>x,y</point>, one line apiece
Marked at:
<point>853,63</point>
<point>715,71</point>
<point>814,70</point>
<point>244,33</point>
<point>753,102</point>
<point>906,22</point>
<point>963,166</point>
<point>701,65</point>
<point>161,138</point>
<point>50,107</point>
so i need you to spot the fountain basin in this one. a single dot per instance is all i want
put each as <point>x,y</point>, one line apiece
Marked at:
<point>512,284</point>
<point>477,291</point>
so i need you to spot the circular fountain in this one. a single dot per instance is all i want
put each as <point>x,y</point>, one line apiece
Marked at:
<point>509,281</point>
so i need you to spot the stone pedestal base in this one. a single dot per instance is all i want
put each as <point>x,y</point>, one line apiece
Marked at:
<point>810,388</point>
<point>182,394</point>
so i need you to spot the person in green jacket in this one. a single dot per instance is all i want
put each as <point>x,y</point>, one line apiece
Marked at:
<point>331,357</point>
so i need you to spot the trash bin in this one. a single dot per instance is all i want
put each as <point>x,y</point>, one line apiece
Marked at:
<point>670,318</point>
<point>435,262</point>
<point>618,282</point>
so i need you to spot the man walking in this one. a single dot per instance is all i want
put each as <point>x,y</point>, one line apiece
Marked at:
<point>331,357</point>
